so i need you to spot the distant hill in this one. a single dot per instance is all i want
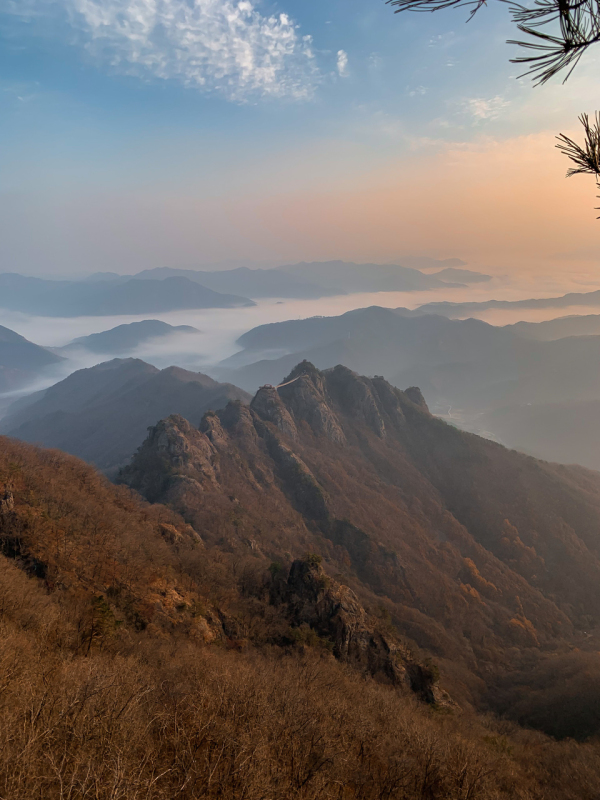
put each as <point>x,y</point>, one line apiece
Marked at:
<point>108,297</point>
<point>455,310</point>
<point>559,328</point>
<point>346,277</point>
<point>21,361</point>
<point>106,276</point>
<point>255,283</point>
<point>428,263</point>
<point>101,414</point>
<point>125,338</point>
<point>461,275</point>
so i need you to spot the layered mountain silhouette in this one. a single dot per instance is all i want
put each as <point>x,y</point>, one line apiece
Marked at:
<point>255,283</point>
<point>461,310</point>
<point>22,361</point>
<point>323,278</point>
<point>467,369</point>
<point>101,414</point>
<point>124,338</point>
<point>485,557</point>
<point>169,289</point>
<point>108,297</point>
<point>346,277</point>
<point>559,328</point>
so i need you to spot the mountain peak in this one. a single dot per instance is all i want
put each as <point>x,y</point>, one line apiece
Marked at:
<point>325,400</point>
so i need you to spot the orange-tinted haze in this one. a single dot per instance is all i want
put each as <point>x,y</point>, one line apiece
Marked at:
<point>504,204</point>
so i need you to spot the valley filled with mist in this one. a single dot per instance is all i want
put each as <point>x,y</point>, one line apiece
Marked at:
<point>512,359</point>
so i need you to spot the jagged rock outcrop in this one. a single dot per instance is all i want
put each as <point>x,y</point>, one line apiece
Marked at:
<point>7,502</point>
<point>335,614</point>
<point>415,395</point>
<point>304,393</point>
<point>269,407</point>
<point>174,452</point>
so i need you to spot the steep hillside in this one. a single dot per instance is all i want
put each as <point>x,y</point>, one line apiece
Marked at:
<point>137,660</point>
<point>101,414</point>
<point>483,556</point>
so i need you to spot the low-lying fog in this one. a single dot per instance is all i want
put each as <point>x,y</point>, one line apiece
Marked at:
<point>220,328</point>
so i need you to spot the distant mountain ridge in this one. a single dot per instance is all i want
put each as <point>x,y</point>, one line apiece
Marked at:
<point>108,297</point>
<point>169,288</point>
<point>255,283</point>
<point>467,368</point>
<point>348,277</point>
<point>311,280</point>
<point>461,275</point>
<point>101,414</point>
<point>455,310</point>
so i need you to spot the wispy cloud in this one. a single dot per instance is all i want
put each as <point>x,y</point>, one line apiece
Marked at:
<point>481,108</point>
<point>227,47</point>
<point>342,63</point>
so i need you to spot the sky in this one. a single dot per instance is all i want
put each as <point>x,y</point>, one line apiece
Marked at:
<point>145,133</point>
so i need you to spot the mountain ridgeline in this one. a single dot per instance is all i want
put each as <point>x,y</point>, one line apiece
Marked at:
<point>102,413</point>
<point>61,298</point>
<point>533,386</point>
<point>485,558</point>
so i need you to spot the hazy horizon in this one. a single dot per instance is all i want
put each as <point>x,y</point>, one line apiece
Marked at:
<point>345,132</point>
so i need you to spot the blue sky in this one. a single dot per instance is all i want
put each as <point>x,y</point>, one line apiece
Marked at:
<point>140,132</point>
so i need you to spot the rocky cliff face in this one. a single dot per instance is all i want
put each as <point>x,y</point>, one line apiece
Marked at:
<point>473,550</point>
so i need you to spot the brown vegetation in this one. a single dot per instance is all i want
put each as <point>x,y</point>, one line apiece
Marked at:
<point>101,701</point>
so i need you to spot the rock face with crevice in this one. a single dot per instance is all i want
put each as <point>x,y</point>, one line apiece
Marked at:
<point>334,613</point>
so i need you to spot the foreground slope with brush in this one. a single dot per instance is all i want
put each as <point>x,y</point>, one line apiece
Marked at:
<point>137,660</point>
<point>483,557</point>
